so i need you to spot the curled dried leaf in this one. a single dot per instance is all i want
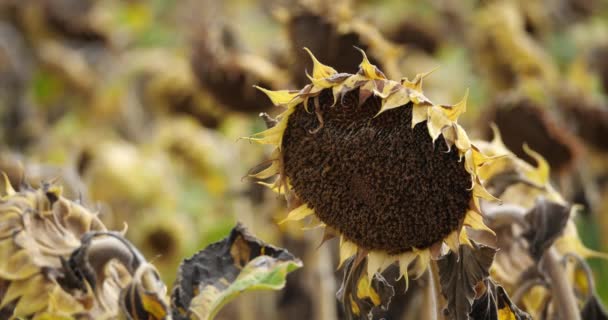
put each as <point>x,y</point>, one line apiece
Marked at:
<point>495,304</point>
<point>459,275</point>
<point>361,297</point>
<point>214,276</point>
<point>547,220</point>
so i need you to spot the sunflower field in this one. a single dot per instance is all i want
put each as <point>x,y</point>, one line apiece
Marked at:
<point>304,159</point>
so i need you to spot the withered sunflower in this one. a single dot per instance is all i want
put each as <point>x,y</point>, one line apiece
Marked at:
<point>380,165</point>
<point>58,261</point>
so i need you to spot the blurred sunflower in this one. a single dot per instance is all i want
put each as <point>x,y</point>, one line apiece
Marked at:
<point>378,164</point>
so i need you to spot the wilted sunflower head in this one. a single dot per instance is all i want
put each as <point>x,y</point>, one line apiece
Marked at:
<point>330,29</point>
<point>58,261</point>
<point>526,121</point>
<point>533,219</point>
<point>377,163</point>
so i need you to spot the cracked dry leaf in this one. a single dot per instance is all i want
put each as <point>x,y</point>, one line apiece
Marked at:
<point>459,275</point>
<point>495,304</point>
<point>219,273</point>
<point>546,222</point>
<point>359,296</point>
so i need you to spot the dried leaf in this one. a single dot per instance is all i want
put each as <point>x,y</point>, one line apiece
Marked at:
<point>495,304</point>
<point>460,273</point>
<point>214,276</point>
<point>594,310</point>
<point>547,220</point>
<point>360,297</point>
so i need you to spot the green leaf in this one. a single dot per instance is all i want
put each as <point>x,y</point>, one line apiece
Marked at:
<point>225,269</point>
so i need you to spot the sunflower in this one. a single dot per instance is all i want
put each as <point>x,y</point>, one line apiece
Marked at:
<point>381,166</point>
<point>58,261</point>
<point>520,186</point>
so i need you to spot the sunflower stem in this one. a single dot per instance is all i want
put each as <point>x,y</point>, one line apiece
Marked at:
<point>432,295</point>
<point>436,283</point>
<point>563,294</point>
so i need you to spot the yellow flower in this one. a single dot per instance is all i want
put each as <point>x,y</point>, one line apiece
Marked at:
<point>380,165</point>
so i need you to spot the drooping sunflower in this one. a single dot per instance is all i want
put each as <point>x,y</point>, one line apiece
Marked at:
<point>58,261</point>
<point>381,166</point>
<point>524,189</point>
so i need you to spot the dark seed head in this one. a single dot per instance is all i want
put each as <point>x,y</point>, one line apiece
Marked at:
<point>526,122</point>
<point>382,184</point>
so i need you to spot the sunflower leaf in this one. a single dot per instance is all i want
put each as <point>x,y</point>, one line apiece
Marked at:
<point>547,220</point>
<point>359,297</point>
<point>495,304</point>
<point>459,275</point>
<point>219,273</point>
<point>594,310</point>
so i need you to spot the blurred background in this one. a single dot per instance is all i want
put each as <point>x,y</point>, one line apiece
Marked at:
<point>136,108</point>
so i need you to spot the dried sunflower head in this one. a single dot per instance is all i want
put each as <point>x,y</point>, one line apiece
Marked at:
<point>57,260</point>
<point>524,120</point>
<point>533,219</point>
<point>507,54</point>
<point>394,175</point>
<point>227,72</point>
<point>330,30</point>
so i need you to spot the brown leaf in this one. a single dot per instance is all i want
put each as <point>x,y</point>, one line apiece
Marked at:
<point>495,304</point>
<point>460,273</point>
<point>546,222</point>
<point>594,310</point>
<point>215,275</point>
<point>359,297</point>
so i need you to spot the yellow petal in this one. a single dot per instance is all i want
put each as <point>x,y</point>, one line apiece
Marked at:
<point>15,263</point>
<point>60,302</point>
<point>347,250</point>
<point>540,174</point>
<point>452,241</point>
<point>462,139</point>
<point>416,84</point>
<point>337,92</point>
<point>475,220</point>
<point>453,112</point>
<point>354,306</point>
<point>298,213</point>
<point>280,97</point>
<point>436,122</point>
<point>419,113</point>
<point>481,192</point>
<point>270,136</point>
<point>375,260</point>
<point>365,290</point>
<point>422,263</point>
<point>272,170</point>
<point>396,99</point>
<point>273,135</point>
<point>369,70</point>
<point>464,238</point>
<point>33,294</point>
<point>319,70</point>
<point>496,142</point>
<point>6,189</point>
<point>274,186</point>
<point>405,259</point>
